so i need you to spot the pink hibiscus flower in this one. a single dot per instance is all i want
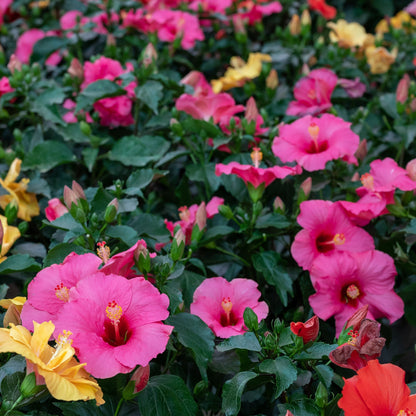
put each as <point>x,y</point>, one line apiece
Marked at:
<point>113,111</point>
<point>254,175</point>
<point>26,42</point>
<point>55,209</point>
<point>194,215</point>
<point>221,304</point>
<point>312,142</point>
<point>199,83</point>
<point>51,287</point>
<point>174,24</point>
<point>115,323</point>
<point>326,230</point>
<point>344,282</point>
<point>253,12</point>
<point>123,263</point>
<point>313,93</point>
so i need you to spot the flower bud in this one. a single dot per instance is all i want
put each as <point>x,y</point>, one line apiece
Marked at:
<point>76,69</point>
<point>69,197</point>
<point>11,211</point>
<point>411,169</point>
<point>308,331</point>
<point>14,64</point>
<point>79,192</point>
<point>225,211</point>
<point>321,395</point>
<point>305,18</point>
<point>111,211</point>
<point>279,205</point>
<point>141,378</point>
<point>402,91</point>
<point>180,237</point>
<point>251,320</point>
<point>252,112</point>
<point>294,25</point>
<point>28,387</point>
<point>306,186</point>
<point>239,26</point>
<point>55,209</point>
<point>356,319</point>
<point>149,55</point>
<point>362,151</point>
<point>201,216</point>
<point>272,80</point>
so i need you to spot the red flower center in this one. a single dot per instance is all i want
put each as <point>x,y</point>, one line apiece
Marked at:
<point>227,318</point>
<point>350,294</point>
<point>116,330</point>
<point>326,242</point>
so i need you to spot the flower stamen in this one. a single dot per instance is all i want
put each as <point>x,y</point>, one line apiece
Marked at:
<point>103,251</point>
<point>256,156</point>
<point>353,292</point>
<point>62,292</point>
<point>227,307</point>
<point>114,313</point>
<point>339,239</point>
<point>368,181</point>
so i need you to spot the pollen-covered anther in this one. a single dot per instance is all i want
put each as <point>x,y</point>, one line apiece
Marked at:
<point>103,251</point>
<point>184,213</point>
<point>256,156</point>
<point>353,292</point>
<point>63,338</point>
<point>227,305</point>
<point>114,312</point>
<point>368,181</point>
<point>313,130</point>
<point>62,292</point>
<point>339,239</point>
<point>405,412</point>
<point>353,337</point>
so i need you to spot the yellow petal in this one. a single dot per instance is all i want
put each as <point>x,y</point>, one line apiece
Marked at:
<point>14,171</point>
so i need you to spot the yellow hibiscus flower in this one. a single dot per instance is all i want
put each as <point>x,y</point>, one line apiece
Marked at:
<point>240,72</point>
<point>26,201</point>
<point>65,378</point>
<point>402,20</point>
<point>10,235</point>
<point>347,35</point>
<point>379,59</point>
<point>14,308</point>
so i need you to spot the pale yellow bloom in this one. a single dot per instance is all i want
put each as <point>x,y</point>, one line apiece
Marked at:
<point>402,20</point>
<point>240,72</point>
<point>26,201</point>
<point>65,378</point>
<point>347,35</point>
<point>380,59</point>
<point>14,308</point>
<point>10,235</point>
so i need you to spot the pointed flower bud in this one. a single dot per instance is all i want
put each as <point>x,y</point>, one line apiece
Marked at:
<point>308,331</point>
<point>402,91</point>
<point>251,110</point>
<point>111,211</point>
<point>149,55</point>
<point>272,80</point>
<point>411,169</point>
<point>279,205</point>
<point>140,378</point>
<point>362,151</point>
<point>14,64</point>
<point>201,216</point>
<point>294,25</point>
<point>305,18</point>
<point>306,186</point>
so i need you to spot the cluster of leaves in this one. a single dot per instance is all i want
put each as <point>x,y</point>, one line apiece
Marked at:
<point>163,161</point>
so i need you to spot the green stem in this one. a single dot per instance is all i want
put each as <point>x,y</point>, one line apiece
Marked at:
<point>118,406</point>
<point>246,263</point>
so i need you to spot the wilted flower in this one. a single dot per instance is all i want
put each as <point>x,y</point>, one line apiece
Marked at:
<point>221,304</point>
<point>353,87</point>
<point>64,377</point>
<point>26,201</point>
<point>377,389</point>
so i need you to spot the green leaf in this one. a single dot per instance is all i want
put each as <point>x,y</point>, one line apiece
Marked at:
<point>388,104</point>
<point>216,232</point>
<point>47,155</point>
<point>204,173</point>
<point>266,263</point>
<point>19,263</point>
<point>284,371</point>
<point>125,233</point>
<point>55,95</point>
<point>16,364</point>
<point>151,225</point>
<point>100,201</point>
<point>272,220</point>
<point>150,93</point>
<point>79,408</point>
<point>325,374</point>
<point>193,333</point>
<point>192,125</point>
<point>316,351</point>
<point>90,156</point>
<point>10,386</point>
<point>97,90</point>
<point>59,252</point>
<point>304,407</point>
<point>233,390</point>
<point>46,46</point>
<point>66,222</point>
<point>138,180</point>
<point>247,341</point>
<point>166,395</point>
<point>138,151</point>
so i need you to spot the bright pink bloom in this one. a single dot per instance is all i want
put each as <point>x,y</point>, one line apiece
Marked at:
<point>114,111</point>
<point>4,5</point>
<point>174,24</point>
<point>255,175</point>
<point>51,287</point>
<point>313,93</point>
<point>55,209</point>
<point>312,142</point>
<point>213,6</point>
<point>188,217</point>
<point>344,282</point>
<point>411,8</point>
<point>326,230</point>
<point>123,263</point>
<point>385,176</point>
<point>221,304</point>
<point>253,13</point>
<point>115,323</point>
<point>202,107</point>
<point>197,80</point>
<point>5,86</point>
<point>70,116</point>
<point>140,21</point>
<point>27,40</point>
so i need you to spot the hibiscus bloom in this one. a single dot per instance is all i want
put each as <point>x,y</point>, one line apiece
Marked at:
<point>55,209</point>
<point>9,235</point>
<point>312,142</point>
<point>347,35</point>
<point>308,330</point>
<point>116,323</point>
<point>221,304</point>
<point>65,378</point>
<point>344,282</point>
<point>26,201</point>
<point>50,289</point>
<point>327,229</point>
<point>324,9</point>
<point>313,93</point>
<point>377,389</point>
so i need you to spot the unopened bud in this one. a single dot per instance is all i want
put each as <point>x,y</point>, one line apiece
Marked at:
<point>251,320</point>
<point>321,395</point>
<point>355,177</point>
<point>272,80</point>
<point>279,205</point>
<point>179,237</point>
<point>201,216</point>
<point>305,18</point>
<point>225,211</point>
<point>111,40</point>
<point>28,388</point>
<point>306,186</point>
<point>69,197</point>
<point>362,151</point>
<point>149,55</point>
<point>11,211</point>
<point>252,112</point>
<point>111,211</point>
<point>411,169</point>
<point>305,70</point>
<point>76,69</point>
<point>141,378</point>
<point>402,91</point>
<point>79,192</point>
<point>239,24</point>
<point>14,64</point>
<point>294,25</point>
